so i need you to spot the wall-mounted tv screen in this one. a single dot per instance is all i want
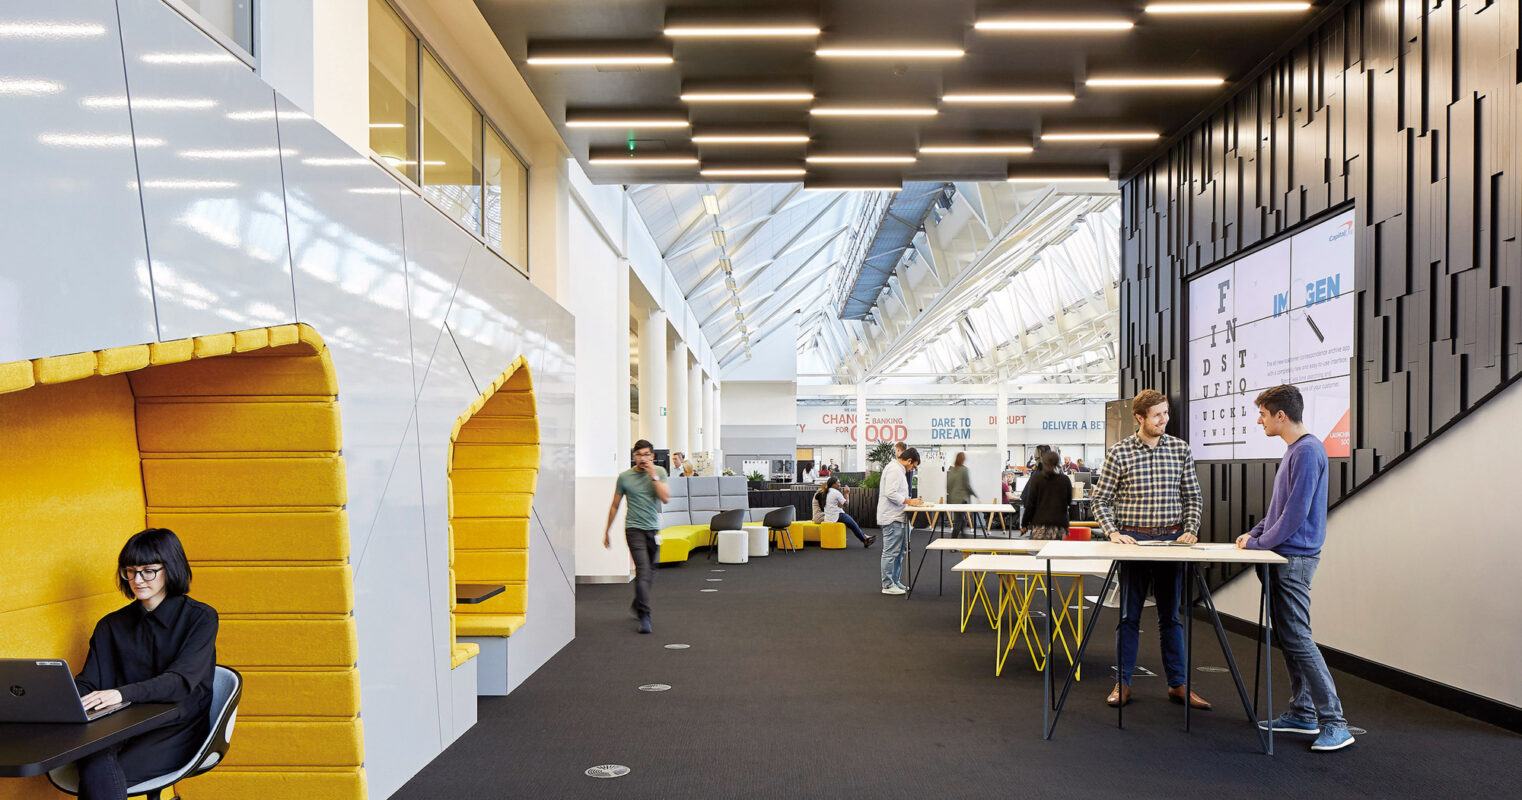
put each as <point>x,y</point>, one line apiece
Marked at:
<point>1282,314</point>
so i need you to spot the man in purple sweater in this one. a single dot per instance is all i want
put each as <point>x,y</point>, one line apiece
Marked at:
<point>1295,527</point>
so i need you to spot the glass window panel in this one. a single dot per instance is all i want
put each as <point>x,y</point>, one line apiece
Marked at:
<point>506,202</point>
<point>393,90</point>
<point>451,146</point>
<point>232,18</point>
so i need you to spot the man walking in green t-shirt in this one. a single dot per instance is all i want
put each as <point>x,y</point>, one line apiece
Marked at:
<point>645,486</point>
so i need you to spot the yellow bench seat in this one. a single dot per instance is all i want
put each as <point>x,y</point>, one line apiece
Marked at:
<point>829,535</point>
<point>678,541</point>
<point>488,624</point>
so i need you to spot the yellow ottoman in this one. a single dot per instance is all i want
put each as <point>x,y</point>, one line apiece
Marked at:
<point>832,535</point>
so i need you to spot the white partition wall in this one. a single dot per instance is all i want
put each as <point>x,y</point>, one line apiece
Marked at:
<point>221,206</point>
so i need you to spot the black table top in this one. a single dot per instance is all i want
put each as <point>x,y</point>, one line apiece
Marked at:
<point>471,593</point>
<point>32,748</point>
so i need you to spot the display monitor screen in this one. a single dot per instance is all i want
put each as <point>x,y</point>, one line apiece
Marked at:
<point>1282,314</point>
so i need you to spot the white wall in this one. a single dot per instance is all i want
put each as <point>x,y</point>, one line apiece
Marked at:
<point>614,257</point>
<point>1419,567</point>
<point>293,226</point>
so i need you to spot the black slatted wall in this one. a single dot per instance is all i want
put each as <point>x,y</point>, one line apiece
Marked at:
<point>1410,111</point>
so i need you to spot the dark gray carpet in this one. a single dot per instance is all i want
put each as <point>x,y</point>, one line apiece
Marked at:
<point>804,681</point>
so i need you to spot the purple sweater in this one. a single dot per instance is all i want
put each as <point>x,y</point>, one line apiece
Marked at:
<point>1296,520</point>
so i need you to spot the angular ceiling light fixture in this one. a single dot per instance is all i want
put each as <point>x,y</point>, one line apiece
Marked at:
<point>1225,8</point>
<point>1076,25</point>
<point>711,203</point>
<point>726,266</point>
<point>1140,82</point>
<point>717,235</point>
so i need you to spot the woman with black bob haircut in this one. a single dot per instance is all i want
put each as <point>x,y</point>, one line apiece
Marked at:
<point>161,648</point>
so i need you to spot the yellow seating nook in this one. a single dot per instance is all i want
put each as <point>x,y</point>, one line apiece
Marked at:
<point>232,440</point>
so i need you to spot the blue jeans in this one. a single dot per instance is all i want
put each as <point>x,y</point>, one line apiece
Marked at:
<point>1313,696</point>
<point>1166,578</point>
<point>895,534</point>
<point>851,524</point>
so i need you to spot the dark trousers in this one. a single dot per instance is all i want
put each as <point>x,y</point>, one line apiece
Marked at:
<point>852,526</point>
<point>101,777</point>
<point>645,551</point>
<point>1166,578</point>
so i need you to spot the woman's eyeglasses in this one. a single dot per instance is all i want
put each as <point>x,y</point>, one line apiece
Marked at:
<point>146,573</point>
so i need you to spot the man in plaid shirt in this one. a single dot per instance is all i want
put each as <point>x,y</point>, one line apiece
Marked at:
<point>1148,491</point>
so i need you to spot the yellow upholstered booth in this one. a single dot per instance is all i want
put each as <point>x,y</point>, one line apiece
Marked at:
<point>232,440</point>
<point>493,469</point>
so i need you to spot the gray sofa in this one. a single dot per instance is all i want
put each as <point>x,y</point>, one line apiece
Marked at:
<point>694,501</point>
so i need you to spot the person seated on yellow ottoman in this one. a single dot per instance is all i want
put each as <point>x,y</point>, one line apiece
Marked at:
<point>830,506</point>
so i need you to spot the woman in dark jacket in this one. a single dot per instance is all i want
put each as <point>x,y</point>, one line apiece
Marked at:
<point>162,648</point>
<point>1046,515</point>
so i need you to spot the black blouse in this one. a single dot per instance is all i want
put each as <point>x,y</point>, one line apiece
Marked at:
<point>1049,496</point>
<point>167,655</point>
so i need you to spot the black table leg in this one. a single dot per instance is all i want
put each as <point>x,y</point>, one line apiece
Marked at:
<point>1120,707</point>
<point>1083,644</point>
<point>1262,570</point>
<point>1189,572</point>
<point>1231,661</point>
<point>1268,653</point>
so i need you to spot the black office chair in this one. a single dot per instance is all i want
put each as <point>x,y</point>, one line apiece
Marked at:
<point>226,691</point>
<point>777,521</point>
<point>733,520</point>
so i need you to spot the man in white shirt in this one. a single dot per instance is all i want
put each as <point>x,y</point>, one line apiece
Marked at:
<point>892,497</point>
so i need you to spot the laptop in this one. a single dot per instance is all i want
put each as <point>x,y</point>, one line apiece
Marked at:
<point>43,690</point>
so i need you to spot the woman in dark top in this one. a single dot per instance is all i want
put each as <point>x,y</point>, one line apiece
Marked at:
<point>160,649</point>
<point>1046,514</point>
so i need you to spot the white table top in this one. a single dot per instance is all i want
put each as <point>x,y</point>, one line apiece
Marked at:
<point>1136,552</point>
<point>980,507</point>
<point>1008,563</point>
<point>989,545</point>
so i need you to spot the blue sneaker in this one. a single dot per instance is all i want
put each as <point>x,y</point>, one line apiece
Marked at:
<point>1289,723</point>
<point>1332,739</point>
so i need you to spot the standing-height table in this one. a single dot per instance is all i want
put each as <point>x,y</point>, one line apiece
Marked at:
<point>1191,557</point>
<point>1015,601</point>
<point>965,546</point>
<point>972,510</point>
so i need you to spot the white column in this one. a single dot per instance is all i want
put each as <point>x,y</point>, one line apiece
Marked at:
<point>861,428</point>
<point>676,396</point>
<point>718,427</point>
<point>710,433</point>
<point>1001,416</point>
<point>652,379</point>
<point>696,436</point>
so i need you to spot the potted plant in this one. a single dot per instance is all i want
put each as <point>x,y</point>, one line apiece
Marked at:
<point>755,480</point>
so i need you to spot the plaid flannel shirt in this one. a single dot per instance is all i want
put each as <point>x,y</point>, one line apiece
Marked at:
<point>1148,487</point>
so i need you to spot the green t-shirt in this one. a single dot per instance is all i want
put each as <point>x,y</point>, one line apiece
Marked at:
<point>644,507</point>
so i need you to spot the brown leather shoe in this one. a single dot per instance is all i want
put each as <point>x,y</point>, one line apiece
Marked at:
<point>1176,694</point>
<point>1120,696</point>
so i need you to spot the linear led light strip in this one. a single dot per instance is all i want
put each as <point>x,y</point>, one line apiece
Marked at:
<point>625,122</point>
<point>735,31</point>
<point>752,172</point>
<point>1225,8</point>
<point>901,111</point>
<point>1160,82</point>
<point>883,159</point>
<point>646,161</point>
<point>890,52</point>
<point>1099,137</point>
<point>1054,25</point>
<point>750,138</point>
<point>591,60</point>
<point>700,96</point>
<point>976,150</point>
<point>1057,178</point>
<point>1009,97</point>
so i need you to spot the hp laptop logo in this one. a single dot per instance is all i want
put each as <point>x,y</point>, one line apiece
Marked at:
<point>19,691</point>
